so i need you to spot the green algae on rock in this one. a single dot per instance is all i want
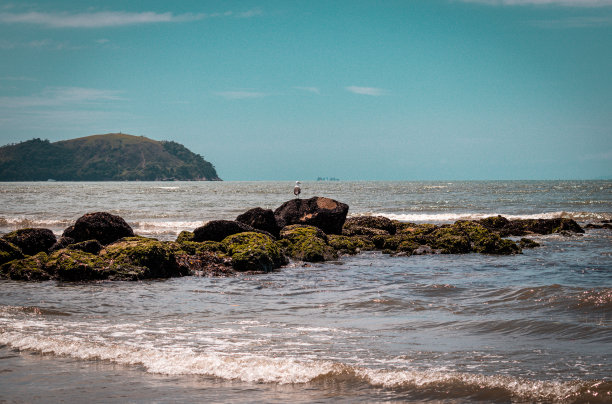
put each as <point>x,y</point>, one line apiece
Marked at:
<point>9,251</point>
<point>251,251</point>
<point>306,243</point>
<point>31,268</point>
<point>350,244</point>
<point>159,259</point>
<point>77,265</point>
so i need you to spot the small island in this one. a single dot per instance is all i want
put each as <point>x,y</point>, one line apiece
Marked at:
<point>109,157</point>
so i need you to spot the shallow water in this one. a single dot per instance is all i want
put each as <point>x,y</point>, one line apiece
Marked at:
<point>535,327</point>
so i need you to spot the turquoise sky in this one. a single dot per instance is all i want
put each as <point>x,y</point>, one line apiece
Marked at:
<point>287,90</point>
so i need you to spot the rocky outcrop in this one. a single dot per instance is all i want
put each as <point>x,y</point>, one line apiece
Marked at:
<point>101,226</point>
<point>32,240</point>
<point>225,247</point>
<point>260,219</point>
<point>326,214</point>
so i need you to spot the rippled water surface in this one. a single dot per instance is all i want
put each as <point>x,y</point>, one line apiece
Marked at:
<point>535,327</point>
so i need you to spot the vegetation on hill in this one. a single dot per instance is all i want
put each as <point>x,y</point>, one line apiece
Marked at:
<point>111,157</point>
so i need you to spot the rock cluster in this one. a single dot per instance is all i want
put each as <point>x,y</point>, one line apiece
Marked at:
<point>101,246</point>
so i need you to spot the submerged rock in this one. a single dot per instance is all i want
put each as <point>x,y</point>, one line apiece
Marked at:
<point>326,214</point>
<point>306,243</point>
<point>260,219</point>
<point>101,226</point>
<point>251,251</point>
<point>32,240</point>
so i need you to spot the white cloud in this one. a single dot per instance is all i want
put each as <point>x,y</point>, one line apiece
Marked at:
<point>240,95</point>
<point>43,44</point>
<point>94,20</point>
<point>566,3</point>
<point>314,90</point>
<point>60,97</point>
<point>110,18</point>
<point>373,91</point>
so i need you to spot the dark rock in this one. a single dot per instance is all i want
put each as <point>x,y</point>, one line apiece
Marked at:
<point>261,219</point>
<point>602,225</point>
<point>62,243</point>
<point>522,227</point>
<point>528,243</point>
<point>185,236</point>
<point>27,269</point>
<point>101,226</point>
<point>218,230</point>
<point>495,223</point>
<point>89,246</point>
<point>9,251</point>
<point>207,263</point>
<point>32,241</point>
<point>326,214</point>
<point>363,225</point>
<point>350,244</point>
<point>253,251</point>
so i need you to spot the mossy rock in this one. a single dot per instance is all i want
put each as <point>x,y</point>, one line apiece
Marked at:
<point>350,244</point>
<point>9,251</point>
<point>416,229</point>
<point>32,240</point>
<point>185,236</point>
<point>485,241</point>
<point>251,251</point>
<point>368,226</point>
<point>77,265</point>
<point>307,243</point>
<point>528,243</point>
<point>449,240</point>
<point>132,253</point>
<point>27,269</point>
<point>194,247</point>
<point>407,247</point>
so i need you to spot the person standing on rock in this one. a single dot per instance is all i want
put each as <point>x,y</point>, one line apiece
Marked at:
<point>297,190</point>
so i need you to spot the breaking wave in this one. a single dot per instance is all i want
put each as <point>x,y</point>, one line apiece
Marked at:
<point>295,370</point>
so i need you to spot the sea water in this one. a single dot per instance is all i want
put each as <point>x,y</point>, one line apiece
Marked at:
<point>534,327</point>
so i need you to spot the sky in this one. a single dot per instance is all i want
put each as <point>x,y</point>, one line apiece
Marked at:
<point>295,90</point>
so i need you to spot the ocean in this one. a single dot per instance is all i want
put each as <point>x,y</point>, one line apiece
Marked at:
<point>534,327</point>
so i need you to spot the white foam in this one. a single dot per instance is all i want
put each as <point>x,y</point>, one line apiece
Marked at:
<point>259,368</point>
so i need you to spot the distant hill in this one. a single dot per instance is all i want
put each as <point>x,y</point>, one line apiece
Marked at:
<point>111,157</point>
